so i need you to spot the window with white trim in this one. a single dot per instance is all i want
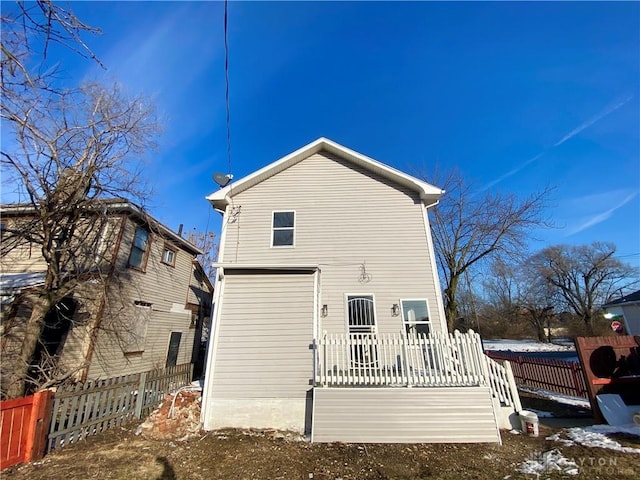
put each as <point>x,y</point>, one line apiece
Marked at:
<point>415,316</point>
<point>169,256</point>
<point>283,229</point>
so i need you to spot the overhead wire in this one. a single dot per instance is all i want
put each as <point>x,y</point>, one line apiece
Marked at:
<point>226,75</point>
<point>234,212</point>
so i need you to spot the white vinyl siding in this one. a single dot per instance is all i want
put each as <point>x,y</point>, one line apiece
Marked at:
<point>366,233</point>
<point>404,415</point>
<point>263,336</point>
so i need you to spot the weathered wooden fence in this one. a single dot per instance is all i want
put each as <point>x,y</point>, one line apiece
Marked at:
<point>89,408</point>
<point>612,366</point>
<point>23,426</point>
<point>550,374</point>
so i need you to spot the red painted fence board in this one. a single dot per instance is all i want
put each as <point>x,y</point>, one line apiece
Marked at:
<point>24,423</point>
<point>550,374</point>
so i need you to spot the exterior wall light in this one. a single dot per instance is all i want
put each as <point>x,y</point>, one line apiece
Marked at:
<point>325,310</point>
<point>395,310</point>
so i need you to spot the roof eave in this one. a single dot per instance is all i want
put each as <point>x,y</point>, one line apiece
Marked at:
<point>429,194</point>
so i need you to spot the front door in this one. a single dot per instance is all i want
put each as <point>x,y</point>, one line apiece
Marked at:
<point>362,326</point>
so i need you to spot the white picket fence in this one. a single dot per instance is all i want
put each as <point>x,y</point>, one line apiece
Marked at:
<point>503,384</point>
<point>400,360</point>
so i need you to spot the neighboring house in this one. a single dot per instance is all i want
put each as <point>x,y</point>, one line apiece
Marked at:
<point>326,285</point>
<point>627,309</point>
<point>140,301</point>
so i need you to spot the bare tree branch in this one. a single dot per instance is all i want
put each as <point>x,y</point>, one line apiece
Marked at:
<point>586,275</point>
<point>68,149</point>
<point>470,229</point>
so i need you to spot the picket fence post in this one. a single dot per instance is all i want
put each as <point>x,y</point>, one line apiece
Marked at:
<point>141,395</point>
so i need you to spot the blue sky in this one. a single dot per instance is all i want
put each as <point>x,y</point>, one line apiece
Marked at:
<point>516,95</point>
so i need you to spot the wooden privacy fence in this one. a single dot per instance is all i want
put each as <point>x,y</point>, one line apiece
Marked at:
<point>88,408</point>
<point>612,365</point>
<point>551,374</point>
<point>23,427</point>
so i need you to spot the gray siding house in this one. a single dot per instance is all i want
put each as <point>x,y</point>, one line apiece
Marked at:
<point>141,304</point>
<point>328,316</point>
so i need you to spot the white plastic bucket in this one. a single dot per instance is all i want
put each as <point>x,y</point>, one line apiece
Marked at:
<point>529,423</point>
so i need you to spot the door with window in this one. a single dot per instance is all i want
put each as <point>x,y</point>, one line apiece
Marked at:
<point>361,318</point>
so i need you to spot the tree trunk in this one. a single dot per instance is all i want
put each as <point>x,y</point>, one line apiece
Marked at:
<point>33,330</point>
<point>451,305</point>
<point>540,332</point>
<point>588,324</point>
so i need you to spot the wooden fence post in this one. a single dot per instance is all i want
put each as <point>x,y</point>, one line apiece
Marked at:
<point>141,395</point>
<point>39,425</point>
<point>575,374</point>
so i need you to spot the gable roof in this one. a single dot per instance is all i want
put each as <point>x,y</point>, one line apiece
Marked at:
<point>626,299</point>
<point>429,194</point>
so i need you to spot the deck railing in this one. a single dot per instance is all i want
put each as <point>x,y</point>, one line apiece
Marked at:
<point>503,384</point>
<point>400,360</point>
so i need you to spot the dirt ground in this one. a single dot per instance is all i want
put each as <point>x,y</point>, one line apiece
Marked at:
<point>237,454</point>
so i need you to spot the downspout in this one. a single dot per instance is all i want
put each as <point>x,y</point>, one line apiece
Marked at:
<point>216,305</point>
<point>432,259</point>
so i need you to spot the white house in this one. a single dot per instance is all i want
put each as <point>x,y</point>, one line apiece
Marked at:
<point>329,318</point>
<point>627,309</point>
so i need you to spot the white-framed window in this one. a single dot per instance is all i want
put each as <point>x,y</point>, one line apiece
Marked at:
<point>283,226</point>
<point>169,255</point>
<point>137,331</point>
<point>139,249</point>
<point>415,316</point>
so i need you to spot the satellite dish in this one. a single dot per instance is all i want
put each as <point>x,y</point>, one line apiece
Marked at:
<point>222,179</point>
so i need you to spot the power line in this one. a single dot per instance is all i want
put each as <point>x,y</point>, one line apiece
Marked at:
<point>226,72</point>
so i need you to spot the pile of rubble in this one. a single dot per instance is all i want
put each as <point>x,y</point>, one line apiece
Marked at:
<point>178,417</point>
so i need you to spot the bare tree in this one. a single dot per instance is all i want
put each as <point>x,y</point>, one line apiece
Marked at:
<point>206,241</point>
<point>585,276</point>
<point>501,289</point>
<point>469,229</point>
<point>66,148</point>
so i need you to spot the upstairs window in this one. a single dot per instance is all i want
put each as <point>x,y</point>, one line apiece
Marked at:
<point>169,256</point>
<point>139,248</point>
<point>283,227</point>
<point>415,316</point>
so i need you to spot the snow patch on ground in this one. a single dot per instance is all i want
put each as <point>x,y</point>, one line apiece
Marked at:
<point>525,346</point>
<point>541,413</point>
<point>558,397</point>
<point>547,462</point>
<point>596,436</point>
